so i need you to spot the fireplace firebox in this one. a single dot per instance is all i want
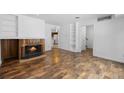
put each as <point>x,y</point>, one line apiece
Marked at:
<point>33,51</point>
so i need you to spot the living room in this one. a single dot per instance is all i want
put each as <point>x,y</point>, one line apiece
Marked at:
<point>82,42</point>
<point>61,46</point>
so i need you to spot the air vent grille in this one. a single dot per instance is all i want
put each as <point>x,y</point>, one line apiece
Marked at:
<point>104,18</point>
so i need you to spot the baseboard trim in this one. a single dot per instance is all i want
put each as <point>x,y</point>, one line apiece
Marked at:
<point>108,59</point>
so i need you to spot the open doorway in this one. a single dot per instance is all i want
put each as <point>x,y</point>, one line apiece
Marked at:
<point>54,39</point>
<point>89,36</point>
<point>89,39</point>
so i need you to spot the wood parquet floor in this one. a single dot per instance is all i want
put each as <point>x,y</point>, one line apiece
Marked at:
<point>61,64</point>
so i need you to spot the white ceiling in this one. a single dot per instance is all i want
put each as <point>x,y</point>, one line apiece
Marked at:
<point>58,19</point>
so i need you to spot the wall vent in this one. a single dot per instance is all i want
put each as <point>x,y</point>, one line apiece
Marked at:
<point>104,18</point>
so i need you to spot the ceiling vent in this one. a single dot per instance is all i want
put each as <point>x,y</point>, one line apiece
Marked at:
<point>104,18</point>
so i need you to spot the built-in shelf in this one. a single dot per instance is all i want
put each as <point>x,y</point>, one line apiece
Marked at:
<point>72,37</point>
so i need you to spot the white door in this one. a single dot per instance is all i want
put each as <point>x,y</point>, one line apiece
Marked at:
<point>83,38</point>
<point>89,36</point>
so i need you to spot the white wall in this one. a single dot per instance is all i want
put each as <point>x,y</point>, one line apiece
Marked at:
<point>89,35</point>
<point>8,26</point>
<point>109,39</point>
<point>21,27</point>
<point>48,38</point>
<point>29,27</point>
<point>64,37</point>
<point>0,53</point>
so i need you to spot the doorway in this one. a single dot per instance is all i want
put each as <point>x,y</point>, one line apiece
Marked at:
<point>54,39</point>
<point>89,36</point>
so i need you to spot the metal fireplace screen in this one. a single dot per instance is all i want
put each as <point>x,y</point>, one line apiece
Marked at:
<point>33,51</point>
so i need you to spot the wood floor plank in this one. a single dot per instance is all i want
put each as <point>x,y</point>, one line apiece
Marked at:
<point>61,64</point>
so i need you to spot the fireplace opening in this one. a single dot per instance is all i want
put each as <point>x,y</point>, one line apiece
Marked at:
<point>33,51</point>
